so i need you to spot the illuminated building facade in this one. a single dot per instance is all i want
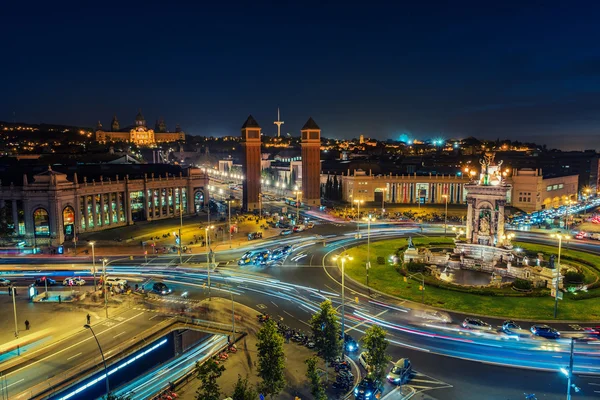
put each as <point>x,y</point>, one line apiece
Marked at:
<point>139,134</point>
<point>55,207</point>
<point>251,164</point>
<point>311,163</point>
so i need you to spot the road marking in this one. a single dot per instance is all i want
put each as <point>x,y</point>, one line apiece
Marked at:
<point>365,321</point>
<point>76,355</point>
<point>274,304</point>
<point>70,347</point>
<point>117,335</point>
<point>152,317</point>
<point>305,323</point>
<point>261,306</point>
<point>14,383</point>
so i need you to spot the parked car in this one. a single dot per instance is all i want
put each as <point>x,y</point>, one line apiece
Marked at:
<point>110,281</point>
<point>545,331</point>
<point>362,360</point>
<point>581,235</point>
<point>45,281</point>
<point>73,282</point>
<point>161,288</point>
<point>255,235</point>
<point>476,323</point>
<point>286,232</point>
<point>368,389</point>
<point>4,282</point>
<point>401,371</point>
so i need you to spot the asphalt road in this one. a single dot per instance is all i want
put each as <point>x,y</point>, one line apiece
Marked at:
<point>50,362</point>
<point>292,288</point>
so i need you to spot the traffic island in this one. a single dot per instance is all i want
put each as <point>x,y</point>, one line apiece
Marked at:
<point>388,276</point>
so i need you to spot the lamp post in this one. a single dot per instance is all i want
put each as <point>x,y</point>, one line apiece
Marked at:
<point>207,236</point>
<point>445,196</point>
<point>229,200</point>
<point>104,287</point>
<point>103,360</point>
<point>13,289</point>
<point>181,226</point>
<point>297,193</point>
<point>94,264</point>
<point>358,203</point>
<point>368,264</point>
<point>422,284</point>
<point>383,190</point>
<point>343,258</point>
<point>560,238</point>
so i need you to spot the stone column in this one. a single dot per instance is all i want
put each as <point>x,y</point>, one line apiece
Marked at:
<point>110,208</point>
<point>94,213</point>
<point>500,227</point>
<point>160,202</point>
<point>118,207</point>
<point>469,220</point>
<point>154,203</point>
<point>127,200</point>
<point>15,216</point>
<point>102,212</point>
<point>86,213</point>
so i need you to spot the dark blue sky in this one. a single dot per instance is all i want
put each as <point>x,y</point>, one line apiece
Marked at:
<point>439,69</point>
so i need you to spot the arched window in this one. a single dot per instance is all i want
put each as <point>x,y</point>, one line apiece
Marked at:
<point>41,222</point>
<point>69,222</point>
<point>199,200</point>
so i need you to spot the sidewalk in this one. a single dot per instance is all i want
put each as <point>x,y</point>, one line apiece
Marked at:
<point>49,323</point>
<point>133,236</point>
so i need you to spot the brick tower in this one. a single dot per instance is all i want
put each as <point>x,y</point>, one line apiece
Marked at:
<point>251,164</point>
<point>311,163</point>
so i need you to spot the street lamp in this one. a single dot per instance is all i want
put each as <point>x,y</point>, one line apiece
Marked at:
<point>229,201</point>
<point>104,287</point>
<point>181,226</point>
<point>297,193</point>
<point>358,203</point>
<point>343,258</point>
<point>14,293</point>
<point>207,236</point>
<point>445,196</point>
<point>94,264</point>
<point>87,326</point>
<point>569,372</point>
<point>383,189</point>
<point>368,264</point>
<point>560,238</point>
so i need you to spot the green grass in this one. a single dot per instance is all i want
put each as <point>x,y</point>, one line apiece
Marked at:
<point>386,279</point>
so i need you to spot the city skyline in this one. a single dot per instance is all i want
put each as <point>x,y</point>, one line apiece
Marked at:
<point>384,72</point>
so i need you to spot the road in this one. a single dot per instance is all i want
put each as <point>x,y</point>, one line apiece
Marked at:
<point>451,363</point>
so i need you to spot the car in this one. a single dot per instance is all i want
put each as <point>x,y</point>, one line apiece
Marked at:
<point>161,288</point>
<point>45,281</point>
<point>4,282</point>
<point>310,225</point>
<point>286,232</point>
<point>73,282</point>
<point>261,258</point>
<point>277,254</point>
<point>593,330</point>
<point>368,389</point>
<point>362,360</point>
<point>350,344</point>
<point>595,236</point>
<point>299,228</point>
<point>476,323</point>
<point>509,327</point>
<point>400,372</point>
<point>287,249</point>
<point>546,331</point>
<point>247,258</point>
<point>255,235</point>
<point>110,281</point>
<point>581,235</point>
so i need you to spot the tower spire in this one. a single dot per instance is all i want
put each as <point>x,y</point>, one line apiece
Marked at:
<point>278,123</point>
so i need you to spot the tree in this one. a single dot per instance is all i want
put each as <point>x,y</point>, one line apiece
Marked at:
<point>5,229</point>
<point>208,373</point>
<point>243,390</point>
<point>271,359</point>
<point>375,344</point>
<point>317,389</point>
<point>326,331</point>
<point>112,396</point>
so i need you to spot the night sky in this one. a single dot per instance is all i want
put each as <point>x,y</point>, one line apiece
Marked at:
<point>487,69</point>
